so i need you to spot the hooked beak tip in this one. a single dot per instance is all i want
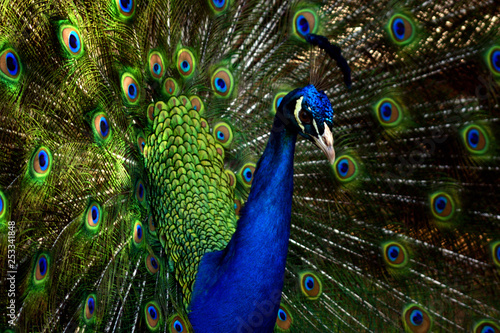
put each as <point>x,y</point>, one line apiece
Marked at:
<point>325,143</point>
<point>330,155</point>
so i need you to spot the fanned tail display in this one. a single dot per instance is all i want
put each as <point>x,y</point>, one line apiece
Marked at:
<point>249,166</point>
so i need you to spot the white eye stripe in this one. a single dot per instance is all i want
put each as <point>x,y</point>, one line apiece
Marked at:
<point>298,107</point>
<point>316,126</point>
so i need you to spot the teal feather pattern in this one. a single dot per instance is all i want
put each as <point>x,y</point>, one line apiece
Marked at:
<point>131,133</point>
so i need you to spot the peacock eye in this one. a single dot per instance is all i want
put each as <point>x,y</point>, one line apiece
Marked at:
<point>152,264</point>
<point>178,324</point>
<point>284,319</point>
<point>89,307</point>
<point>305,117</point>
<point>416,319</point>
<point>152,315</point>
<point>10,66</point>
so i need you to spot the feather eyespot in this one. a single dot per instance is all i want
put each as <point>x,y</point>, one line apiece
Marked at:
<point>218,6</point>
<point>89,307</point>
<point>138,232</point>
<point>185,101</point>
<point>10,66</point>
<point>388,112</point>
<point>160,106</point>
<point>151,223</point>
<point>495,253</point>
<point>170,87</point>
<point>277,101</point>
<point>475,139</point>
<point>140,191</point>
<point>443,206</point>
<point>126,8</point>
<point>284,319</point>
<point>416,319</point>
<point>71,40</point>
<point>186,63</point>
<point>395,255</point>
<point>232,178</point>
<point>237,207</point>
<point>42,268</point>
<point>246,173</point>
<point>93,216</point>
<point>141,143</point>
<point>346,168</point>
<point>223,134</point>
<point>486,326</point>
<point>305,22</point>
<point>130,89</point>
<point>101,127</point>
<point>151,112</point>
<point>220,150</point>
<point>152,264</point>
<point>177,324</point>
<point>493,60</point>
<point>310,285</point>
<point>156,66</point>
<point>401,29</point>
<point>197,104</point>
<point>222,83</point>
<point>172,102</point>
<point>152,315</point>
<point>41,162</point>
<point>3,205</point>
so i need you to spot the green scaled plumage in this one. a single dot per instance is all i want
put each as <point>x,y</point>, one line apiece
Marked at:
<point>196,205</point>
<point>117,176</point>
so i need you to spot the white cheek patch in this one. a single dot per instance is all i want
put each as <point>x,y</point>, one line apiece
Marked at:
<point>298,107</point>
<point>316,126</point>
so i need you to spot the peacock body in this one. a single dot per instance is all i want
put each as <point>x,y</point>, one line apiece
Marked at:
<point>154,175</point>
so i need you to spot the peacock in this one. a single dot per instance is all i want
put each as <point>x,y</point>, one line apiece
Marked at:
<point>250,166</point>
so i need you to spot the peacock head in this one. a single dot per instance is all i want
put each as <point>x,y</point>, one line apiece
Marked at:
<point>309,113</point>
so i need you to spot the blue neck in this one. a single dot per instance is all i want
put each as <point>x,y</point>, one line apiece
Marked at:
<point>239,288</point>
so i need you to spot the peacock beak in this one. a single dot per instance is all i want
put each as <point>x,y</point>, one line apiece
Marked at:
<point>325,143</point>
